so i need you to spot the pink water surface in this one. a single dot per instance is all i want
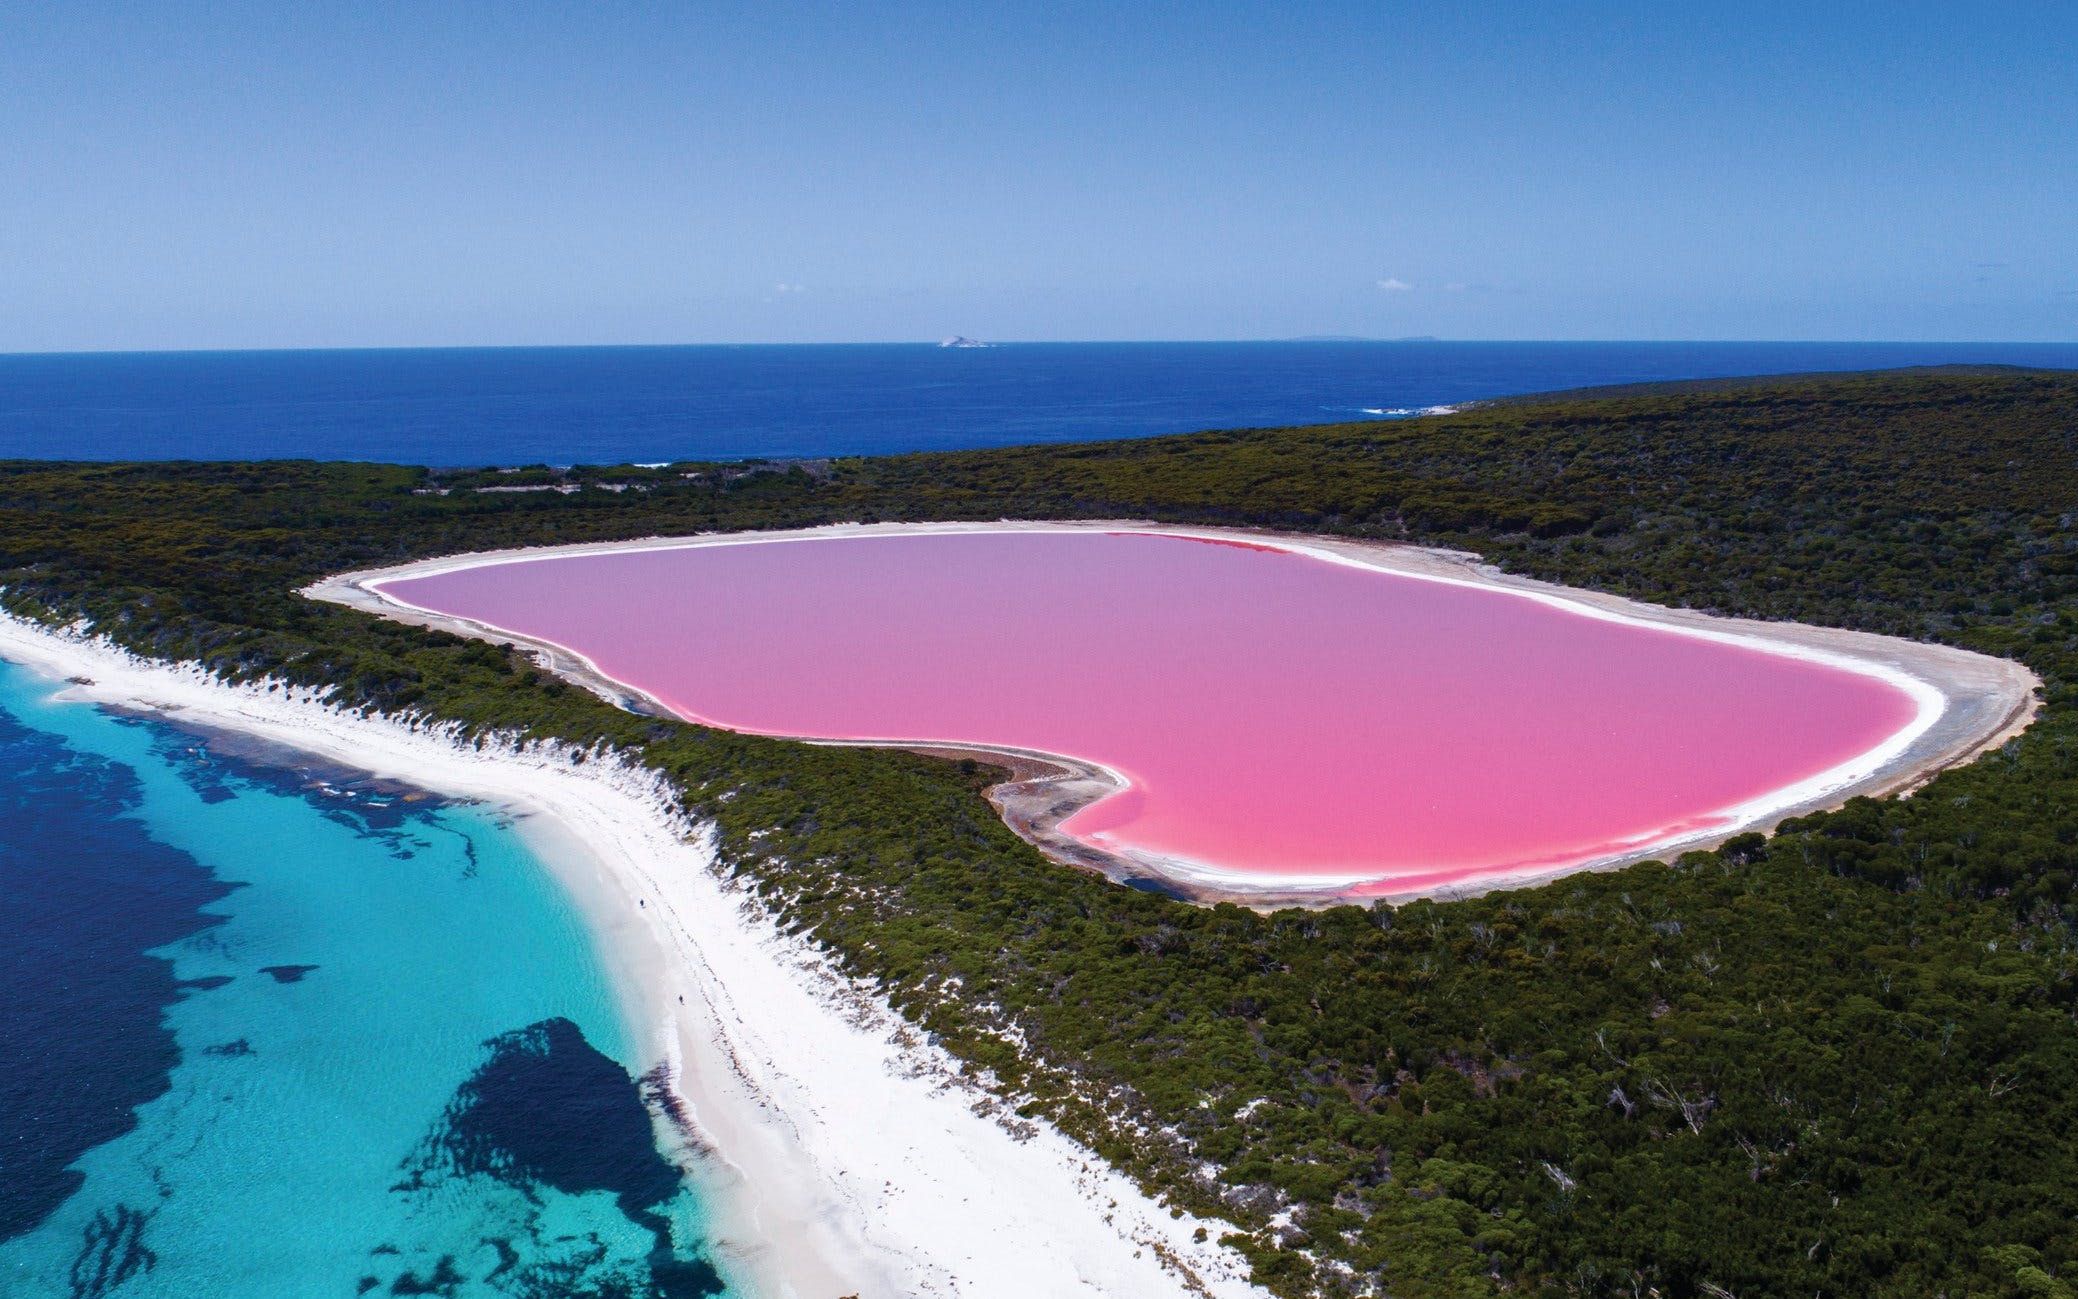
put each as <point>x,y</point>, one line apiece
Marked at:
<point>1274,713</point>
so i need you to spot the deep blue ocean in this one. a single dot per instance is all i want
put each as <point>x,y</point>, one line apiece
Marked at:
<point>593,405</point>
<point>270,1031</point>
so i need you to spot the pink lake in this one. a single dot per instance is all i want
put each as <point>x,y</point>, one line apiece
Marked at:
<point>1275,714</point>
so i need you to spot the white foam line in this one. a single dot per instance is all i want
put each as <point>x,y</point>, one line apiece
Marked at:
<point>1929,703</point>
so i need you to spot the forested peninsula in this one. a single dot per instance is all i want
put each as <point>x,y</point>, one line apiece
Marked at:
<point>1839,1061</point>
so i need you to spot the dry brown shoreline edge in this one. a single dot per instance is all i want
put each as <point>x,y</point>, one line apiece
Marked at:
<point>1988,700</point>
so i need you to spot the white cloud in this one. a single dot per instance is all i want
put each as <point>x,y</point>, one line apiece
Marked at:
<point>1394,284</point>
<point>784,288</point>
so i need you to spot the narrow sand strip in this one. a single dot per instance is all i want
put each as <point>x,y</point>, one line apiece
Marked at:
<point>1966,703</point>
<point>844,1156</point>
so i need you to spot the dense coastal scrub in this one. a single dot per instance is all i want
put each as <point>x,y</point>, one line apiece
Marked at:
<point>1841,1061</point>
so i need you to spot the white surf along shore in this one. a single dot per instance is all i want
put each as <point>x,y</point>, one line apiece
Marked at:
<point>842,1154</point>
<point>1964,703</point>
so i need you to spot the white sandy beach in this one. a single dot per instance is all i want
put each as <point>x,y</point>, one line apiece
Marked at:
<point>844,1155</point>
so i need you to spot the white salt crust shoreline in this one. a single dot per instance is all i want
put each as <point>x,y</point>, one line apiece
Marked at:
<point>841,1154</point>
<point>1963,704</point>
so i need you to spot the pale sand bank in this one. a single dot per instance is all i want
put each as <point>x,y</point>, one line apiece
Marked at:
<point>842,1154</point>
<point>1966,703</point>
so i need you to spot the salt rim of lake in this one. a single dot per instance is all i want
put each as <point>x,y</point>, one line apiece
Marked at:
<point>1963,703</point>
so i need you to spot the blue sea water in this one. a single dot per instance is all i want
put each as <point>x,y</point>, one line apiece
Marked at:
<point>275,1032</point>
<point>597,405</point>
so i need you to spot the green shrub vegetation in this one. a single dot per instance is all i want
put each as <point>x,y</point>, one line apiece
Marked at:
<point>1842,1061</point>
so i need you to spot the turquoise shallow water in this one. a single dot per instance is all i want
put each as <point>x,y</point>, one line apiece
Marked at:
<point>398,1068</point>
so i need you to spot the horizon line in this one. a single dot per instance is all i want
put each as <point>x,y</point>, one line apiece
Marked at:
<point>1312,339</point>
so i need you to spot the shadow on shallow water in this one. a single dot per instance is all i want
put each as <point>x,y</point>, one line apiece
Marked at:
<point>81,1023</point>
<point>547,1111</point>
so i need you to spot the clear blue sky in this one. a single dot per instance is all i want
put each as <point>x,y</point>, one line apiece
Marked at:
<point>225,175</point>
